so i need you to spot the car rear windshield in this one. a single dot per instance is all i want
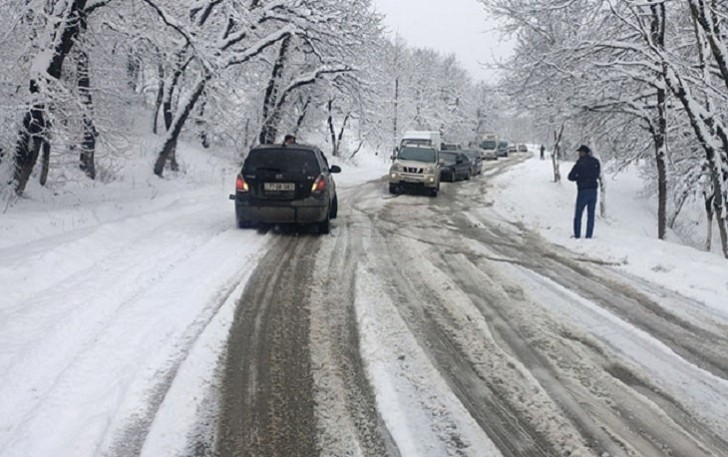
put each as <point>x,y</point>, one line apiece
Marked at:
<point>418,154</point>
<point>284,160</point>
<point>448,157</point>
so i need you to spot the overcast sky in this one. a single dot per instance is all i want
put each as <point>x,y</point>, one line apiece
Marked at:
<point>461,27</point>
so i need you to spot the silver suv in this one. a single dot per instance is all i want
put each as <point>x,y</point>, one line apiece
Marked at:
<point>415,168</point>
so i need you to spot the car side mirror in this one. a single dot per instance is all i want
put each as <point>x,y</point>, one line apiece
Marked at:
<point>335,169</point>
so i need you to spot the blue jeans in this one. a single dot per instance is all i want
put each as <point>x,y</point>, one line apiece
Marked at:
<point>586,198</point>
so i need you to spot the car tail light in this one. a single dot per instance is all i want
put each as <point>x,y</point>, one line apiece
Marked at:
<point>319,185</point>
<point>241,185</point>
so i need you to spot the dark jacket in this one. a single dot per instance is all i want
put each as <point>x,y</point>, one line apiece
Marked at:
<point>586,173</point>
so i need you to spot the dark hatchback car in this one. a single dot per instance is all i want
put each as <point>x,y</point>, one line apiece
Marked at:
<point>503,147</point>
<point>286,184</point>
<point>476,161</point>
<point>456,166</point>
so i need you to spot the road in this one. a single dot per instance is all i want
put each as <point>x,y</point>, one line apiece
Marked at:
<point>433,327</point>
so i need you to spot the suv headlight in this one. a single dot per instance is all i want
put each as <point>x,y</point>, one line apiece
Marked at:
<point>396,167</point>
<point>429,170</point>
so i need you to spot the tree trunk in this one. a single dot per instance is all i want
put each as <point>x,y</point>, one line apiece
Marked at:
<point>657,34</point>
<point>271,115</point>
<point>708,199</point>
<point>330,123</point>
<point>176,125</point>
<point>170,148</point>
<point>132,71</point>
<point>555,155</point>
<point>395,109</point>
<point>719,210</point>
<point>341,134</point>
<point>202,127</point>
<point>29,143</point>
<point>160,97</point>
<point>35,126</point>
<point>88,143</point>
<point>301,116</point>
<point>45,162</point>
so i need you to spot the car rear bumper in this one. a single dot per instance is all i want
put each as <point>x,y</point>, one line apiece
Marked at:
<point>306,211</point>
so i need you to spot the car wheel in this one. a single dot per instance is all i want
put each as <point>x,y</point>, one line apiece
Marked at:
<point>334,208</point>
<point>467,178</point>
<point>244,224</point>
<point>324,227</point>
<point>433,192</point>
<point>393,188</point>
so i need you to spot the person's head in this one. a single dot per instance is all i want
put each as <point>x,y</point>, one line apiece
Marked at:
<point>289,139</point>
<point>583,151</point>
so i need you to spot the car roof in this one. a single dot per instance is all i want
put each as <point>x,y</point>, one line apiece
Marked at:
<point>286,146</point>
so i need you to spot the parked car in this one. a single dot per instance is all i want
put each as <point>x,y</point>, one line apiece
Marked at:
<point>476,161</point>
<point>522,148</point>
<point>450,147</point>
<point>456,166</point>
<point>415,167</point>
<point>286,184</point>
<point>502,150</point>
<point>512,149</point>
<point>489,154</point>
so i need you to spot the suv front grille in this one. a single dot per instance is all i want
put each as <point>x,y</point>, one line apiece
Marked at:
<point>413,170</point>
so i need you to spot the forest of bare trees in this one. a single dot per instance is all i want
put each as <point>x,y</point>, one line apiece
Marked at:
<point>645,83</point>
<point>82,78</point>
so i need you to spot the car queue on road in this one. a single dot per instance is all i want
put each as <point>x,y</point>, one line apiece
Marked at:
<point>421,161</point>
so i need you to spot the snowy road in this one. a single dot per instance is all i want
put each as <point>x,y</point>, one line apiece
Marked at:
<point>477,337</point>
<point>148,325</point>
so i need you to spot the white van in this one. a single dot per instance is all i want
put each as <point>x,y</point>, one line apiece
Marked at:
<point>489,146</point>
<point>423,138</point>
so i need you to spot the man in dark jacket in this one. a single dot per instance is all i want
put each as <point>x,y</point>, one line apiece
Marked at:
<point>586,173</point>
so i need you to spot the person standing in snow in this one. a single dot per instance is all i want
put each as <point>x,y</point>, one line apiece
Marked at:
<point>586,173</point>
<point>543,149</point>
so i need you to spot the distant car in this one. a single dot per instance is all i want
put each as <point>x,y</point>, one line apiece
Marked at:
<point>522,148</point>
<point>450,147</point>
<point>286,184</point>
<point>512,149</point>
<point>502,150</point>
<point>489,146</point>
<point>476,161</point>
<point>456,166</point>
<point>488,154</point>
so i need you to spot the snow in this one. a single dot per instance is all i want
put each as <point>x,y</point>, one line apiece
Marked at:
<point>96,345</point>
<point>626,235</point>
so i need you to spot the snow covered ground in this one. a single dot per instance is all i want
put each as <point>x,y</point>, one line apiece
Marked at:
<point>625,236</point>
<point>116,297</point>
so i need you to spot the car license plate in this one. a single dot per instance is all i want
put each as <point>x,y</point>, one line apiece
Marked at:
<point>279,186</point>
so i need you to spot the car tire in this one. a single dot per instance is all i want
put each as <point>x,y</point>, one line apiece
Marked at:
<point>334,208</point>
<point>393,188</point>
<point>467,178</point>
<point>324,227</point>
<point>244,224</point>
<point>433,192</point>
